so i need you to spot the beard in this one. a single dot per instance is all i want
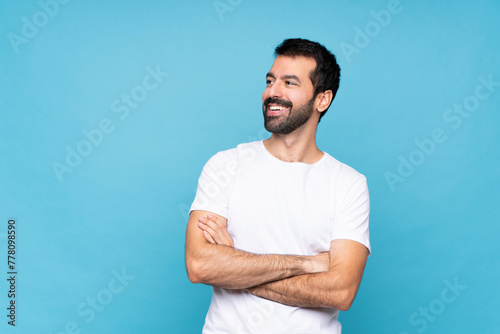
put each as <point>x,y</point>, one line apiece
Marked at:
<point>285,124</point>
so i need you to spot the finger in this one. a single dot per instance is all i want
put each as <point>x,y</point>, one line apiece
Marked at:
<point>222,237</point>
<point>213,233</point>
<point>207,228</point>
<point>202,226</point>
<point>216,220</point>
<point>209,237</point>
<point>218,233</point>
<point>211,218</point>
<point>213,226</point>
<point>208,219</point>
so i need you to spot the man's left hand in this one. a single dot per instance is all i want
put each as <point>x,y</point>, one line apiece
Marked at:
<point>215,231</point>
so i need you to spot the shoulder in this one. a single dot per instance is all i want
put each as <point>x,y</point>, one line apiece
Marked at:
<point>244,149</point>
<point>342,171</point>
<point>346,182</point>
<point>233,156</point>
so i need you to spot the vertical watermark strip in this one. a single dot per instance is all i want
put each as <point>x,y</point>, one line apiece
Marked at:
<point>11,271</point>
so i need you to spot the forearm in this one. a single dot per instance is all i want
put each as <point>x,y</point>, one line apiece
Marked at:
<point>231,268</point>
<point>335,288</point>
<point>314,290</point>
<point>210,261</point>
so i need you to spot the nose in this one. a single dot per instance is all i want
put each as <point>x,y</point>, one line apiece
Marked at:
<point>275,90</point>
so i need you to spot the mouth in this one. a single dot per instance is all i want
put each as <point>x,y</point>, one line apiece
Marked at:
<point>276,106</point>
<point>273,109</point>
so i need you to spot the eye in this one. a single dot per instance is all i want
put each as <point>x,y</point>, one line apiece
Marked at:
<point>269,81</point>
<point>290,83</point>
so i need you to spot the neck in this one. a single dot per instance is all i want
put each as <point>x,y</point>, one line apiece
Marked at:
<point>298,146</point>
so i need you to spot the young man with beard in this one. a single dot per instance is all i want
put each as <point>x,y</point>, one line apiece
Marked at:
<point>278,227</point>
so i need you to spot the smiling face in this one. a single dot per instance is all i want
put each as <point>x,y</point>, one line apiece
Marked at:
<point>288,101</point>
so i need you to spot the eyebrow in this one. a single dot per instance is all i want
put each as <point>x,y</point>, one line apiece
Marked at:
<point>285,77</point>
<point>270,75</point>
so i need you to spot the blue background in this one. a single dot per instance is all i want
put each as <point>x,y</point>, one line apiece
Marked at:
<point>123,208</point>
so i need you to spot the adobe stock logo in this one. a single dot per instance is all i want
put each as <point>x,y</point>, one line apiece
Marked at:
<point>364,36</point>
<point>30,27</point>
<point>427,146</point>
<point>120,106</point>
<point>430,313</point>
<point>223,6</point>
<point>262,310</point>
<point>95,304</point>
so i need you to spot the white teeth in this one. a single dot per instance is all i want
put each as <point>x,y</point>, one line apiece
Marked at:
<point>274,108</point>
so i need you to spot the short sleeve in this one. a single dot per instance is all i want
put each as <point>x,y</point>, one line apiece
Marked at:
<point>214,184</point>
<point>352,215</point>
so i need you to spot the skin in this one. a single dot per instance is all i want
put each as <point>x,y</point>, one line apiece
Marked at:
<point>334,288</point>
<point>240,269</point>
<point>328,279</point>
<point>300,145</point>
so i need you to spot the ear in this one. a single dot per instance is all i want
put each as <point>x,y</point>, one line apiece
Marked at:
<point>323,100</point>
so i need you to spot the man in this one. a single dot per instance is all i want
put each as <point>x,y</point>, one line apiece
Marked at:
<point>278,227</point>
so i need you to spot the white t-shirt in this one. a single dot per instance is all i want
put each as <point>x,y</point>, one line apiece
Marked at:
<point>277,207</point>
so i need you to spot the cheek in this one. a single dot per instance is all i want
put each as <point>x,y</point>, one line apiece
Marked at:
<point>301,99</point>
<point>265,94</point>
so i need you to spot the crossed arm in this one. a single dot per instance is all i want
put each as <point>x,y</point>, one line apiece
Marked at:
<point>328,279</point>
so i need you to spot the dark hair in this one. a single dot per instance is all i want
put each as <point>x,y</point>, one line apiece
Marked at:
<point>326,76</point>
